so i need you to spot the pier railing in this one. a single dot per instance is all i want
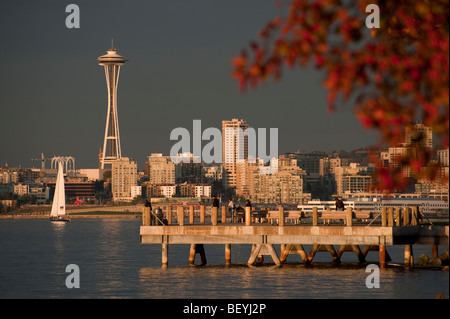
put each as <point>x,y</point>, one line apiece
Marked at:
<point>263,228</point>
<point>200,214</point>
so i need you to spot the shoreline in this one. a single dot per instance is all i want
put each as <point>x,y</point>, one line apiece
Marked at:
<point>130,215</point>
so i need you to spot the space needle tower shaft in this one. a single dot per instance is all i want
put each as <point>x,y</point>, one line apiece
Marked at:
<point>111,143</point>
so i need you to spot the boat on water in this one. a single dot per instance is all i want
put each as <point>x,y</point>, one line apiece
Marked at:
<point>58,213</point>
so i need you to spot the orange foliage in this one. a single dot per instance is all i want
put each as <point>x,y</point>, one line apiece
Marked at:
<point>399,73</point>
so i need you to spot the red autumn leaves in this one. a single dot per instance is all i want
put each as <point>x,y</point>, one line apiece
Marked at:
<point>397,74</point>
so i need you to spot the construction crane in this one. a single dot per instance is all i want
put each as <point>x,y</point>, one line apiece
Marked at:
<point>42,159</point>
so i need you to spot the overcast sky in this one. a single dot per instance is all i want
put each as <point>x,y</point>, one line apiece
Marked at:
<point>53,95</point>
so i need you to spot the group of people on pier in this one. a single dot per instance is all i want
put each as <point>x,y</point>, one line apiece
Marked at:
<point>232,208</point>
<point>235,210</point>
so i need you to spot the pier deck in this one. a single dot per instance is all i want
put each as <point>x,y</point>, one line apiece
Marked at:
<point>259,234</point>
<point>307,235</point>
<point>397,228</point>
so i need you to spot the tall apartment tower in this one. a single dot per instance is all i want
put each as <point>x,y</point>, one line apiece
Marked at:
<point>419,133</point>
<point>161,169</point>
<point>112,63</point>
<point>234,148</point>
<point>123,178</point>
<point>443,157</point>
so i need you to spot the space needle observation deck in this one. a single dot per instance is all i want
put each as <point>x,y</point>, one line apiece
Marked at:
<point>111,144</point>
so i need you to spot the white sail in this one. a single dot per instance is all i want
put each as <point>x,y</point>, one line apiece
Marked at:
<point>59,200</point>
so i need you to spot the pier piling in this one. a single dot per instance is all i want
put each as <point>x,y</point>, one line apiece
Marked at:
<point>290,249</point>
<point>318,247</point>
<point>169,215</point>
<point>383,217</point>
<point>224,214</point>
<point>434,251</point>
<point>191,214</point>
<point>165,255</point>
<point>409,256</point>
<point>214,216</point>
<point>406,216</point>
<point>414,216</point>
<point>227,254</point>
<point>349,215</point>
<point>262,235</point>
<point>281,216</point>
<point>351,248</point>
<point>197,249</point>
<point>180,212</point>
<point>398,217</point>
<point>382,249</point>
<point>390,217</point>
<point>146,216</point>
<point>202,214</point>
<point>248,216</point>
<point>263,249</point>
<point>315,216</point>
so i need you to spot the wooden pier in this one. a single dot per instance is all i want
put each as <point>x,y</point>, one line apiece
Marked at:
<point>291,229</point>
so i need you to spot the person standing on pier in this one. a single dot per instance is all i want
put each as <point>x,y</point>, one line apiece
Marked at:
<point>339,204</point>
<point>231,209</point>
<point>148,204</point>
<point>215,202</point>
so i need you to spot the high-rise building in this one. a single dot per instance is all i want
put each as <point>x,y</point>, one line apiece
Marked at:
<point>329,165</point>
<point>202,190</point>
<point>310,162</point>
<point>112,63</point>
<point>443,157</point>
<point>285,185</point>
<point>234,148</point>
<point>353,179</point>
<point>21,189</point>
<point>245,177</point>
<point>396,158</point>
<point>214,173</point>
<point>161,169</point>
<point>188,169</point>
<point>420,134</point>
<point>123,176</point>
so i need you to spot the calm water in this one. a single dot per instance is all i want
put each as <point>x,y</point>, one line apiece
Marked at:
<point>34,255</point>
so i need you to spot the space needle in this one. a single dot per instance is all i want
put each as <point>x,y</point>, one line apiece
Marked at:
<point>112,63</point>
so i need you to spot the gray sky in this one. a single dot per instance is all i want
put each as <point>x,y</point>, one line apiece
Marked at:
<point>53,92</point>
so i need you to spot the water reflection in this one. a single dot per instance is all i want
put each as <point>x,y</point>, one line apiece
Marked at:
<point>111,258</point>
<point>289,281</point>
<point>34,254</point>
<point>322,279</point>
<point>58,236</point>
<point>56,263</point>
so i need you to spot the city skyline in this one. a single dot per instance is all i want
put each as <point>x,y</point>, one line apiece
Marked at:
<point>180,63</point>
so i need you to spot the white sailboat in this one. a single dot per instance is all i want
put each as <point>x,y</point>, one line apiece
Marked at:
<point>58,213</point>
